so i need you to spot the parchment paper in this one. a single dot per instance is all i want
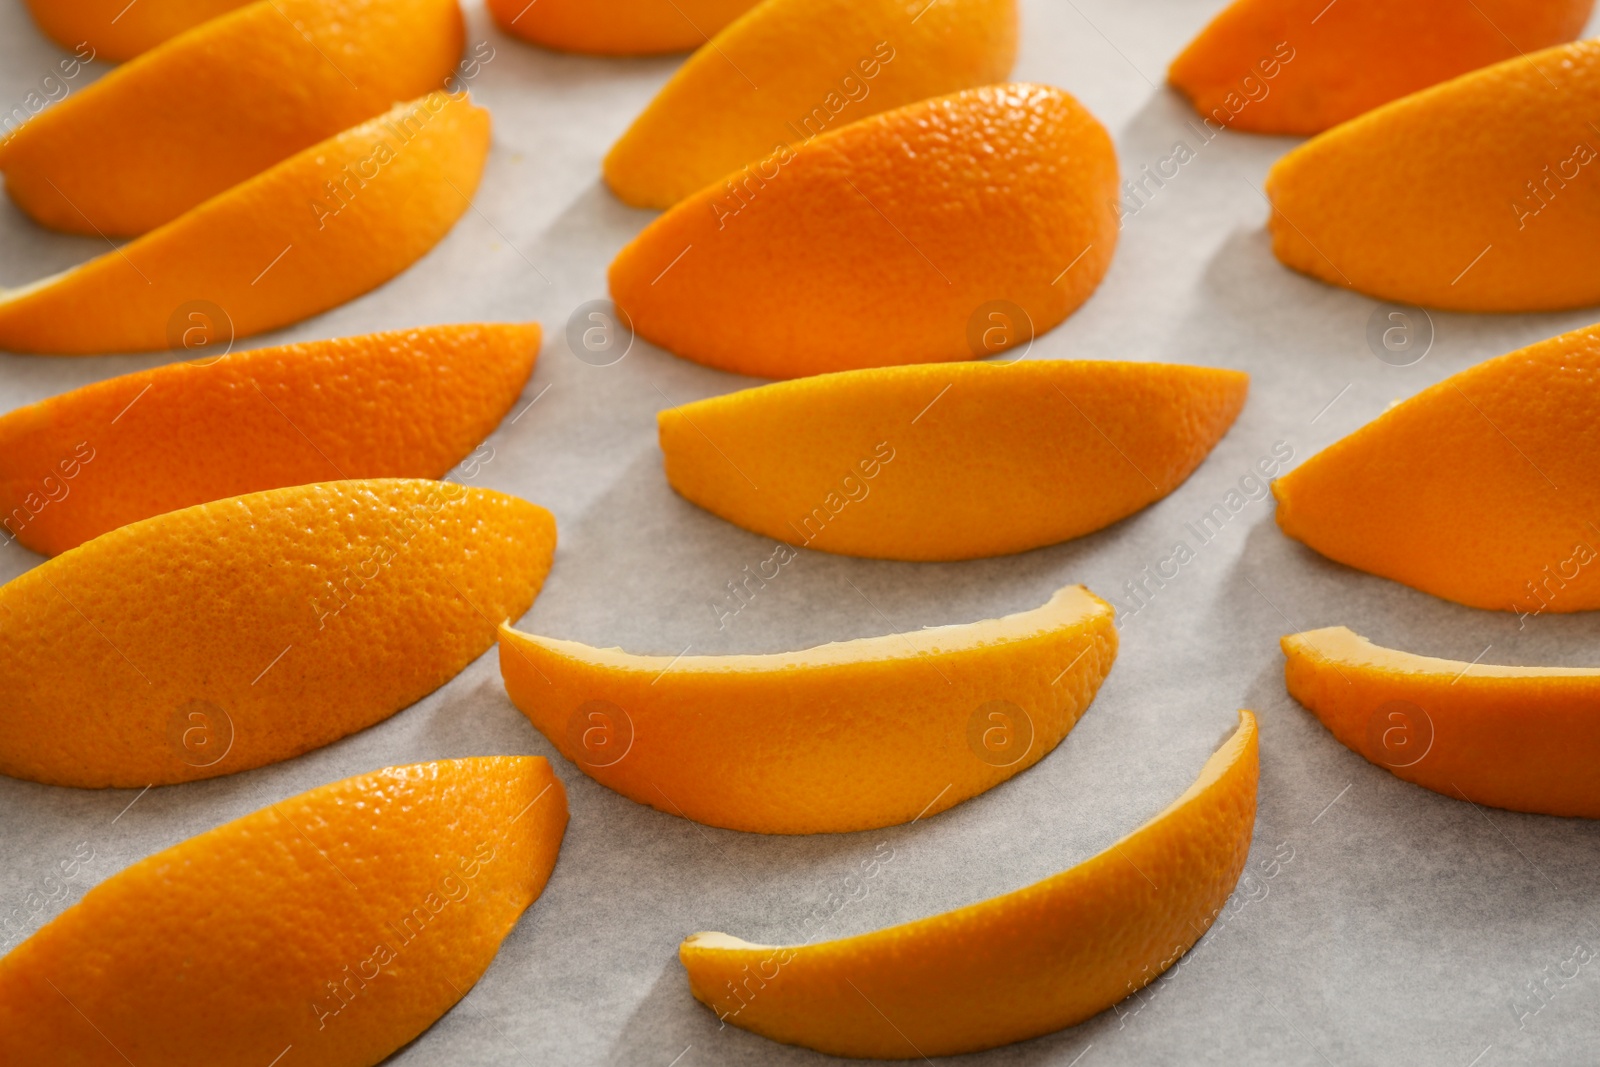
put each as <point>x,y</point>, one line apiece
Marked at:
<point>1378,923</point>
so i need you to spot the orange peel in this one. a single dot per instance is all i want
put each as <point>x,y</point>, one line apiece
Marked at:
<point>1012,967</point>
<point>217,105</point>
<point>872,244</point>
<point>341,923</point>
<point>957,461</point>
<point>116,30</point>
<point>1400,205</point>
<point>617,27</point>
<point>1301,66</point>
<point>402,404</point>
<point>1479,489</point>
<point>245,631</point>
<point>787,70</point>
<point>914,723</point>
<point>276,248</point>
<point>1523,738</point>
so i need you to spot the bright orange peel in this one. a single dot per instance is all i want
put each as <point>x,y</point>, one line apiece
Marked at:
<point>338,924</point>
<point>1479,489</point>
<point>245,631</point>
<point>318,229</point>
<point>221,103</point>
<point>1301,66</point>
<point>403,404</point>
<point>957,461</point>
<point>117,30</point>
<point>788,70</point>
<point>1402,205</point>
<point>1523,738</point>
<point>1012,967</point>
<point>949,229</point>
<point>617,27</point>
<point>916,723</point>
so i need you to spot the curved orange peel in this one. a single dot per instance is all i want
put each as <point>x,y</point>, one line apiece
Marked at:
<point>276,248</point>
<point>403,404</point>
<point>1299,66</point>
<point>617,27</point>
<point>788,70</point>
<point>1012,967</point>
<point>1399,205</point>
<point>217,105</point>
<point>245,631</point>
<point>341,922</point>
<point>116,30</point>
<point>874,244</point>
<point>948,462</point>
<point>1479,489</point>
<point>1523,738</point>
<point>852,735</point>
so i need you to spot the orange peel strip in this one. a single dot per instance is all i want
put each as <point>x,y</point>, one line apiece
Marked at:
<point>1012,967</point>
<point>846,736</point>
<point>278,247</point>
<point>957,461</point>
<point>341,922</point>
<point>873,245</point>
<point>1523,738</point>
<point>245,631</point>
<point>402,404</point>
<point>786,70</point>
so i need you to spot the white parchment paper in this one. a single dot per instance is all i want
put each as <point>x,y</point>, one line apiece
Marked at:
<point>1378,923</point>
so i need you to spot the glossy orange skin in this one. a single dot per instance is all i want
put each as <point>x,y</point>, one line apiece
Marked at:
<point>220,104</point>
<point>404,404</point>
<point>263,252</point>
<point>1474,195</point>
<point>617,27</point>
<point>245,631</point>
<point>789,70</point>
<point>881,243</point>
<point>949,462</point>
<point>762,743</point>
<point>1479,489</point>
<point>1302,66</point>
<point>1013,967</point>
<point>117,31</point>
<point>1523,738</point>
<point>251,940</point>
